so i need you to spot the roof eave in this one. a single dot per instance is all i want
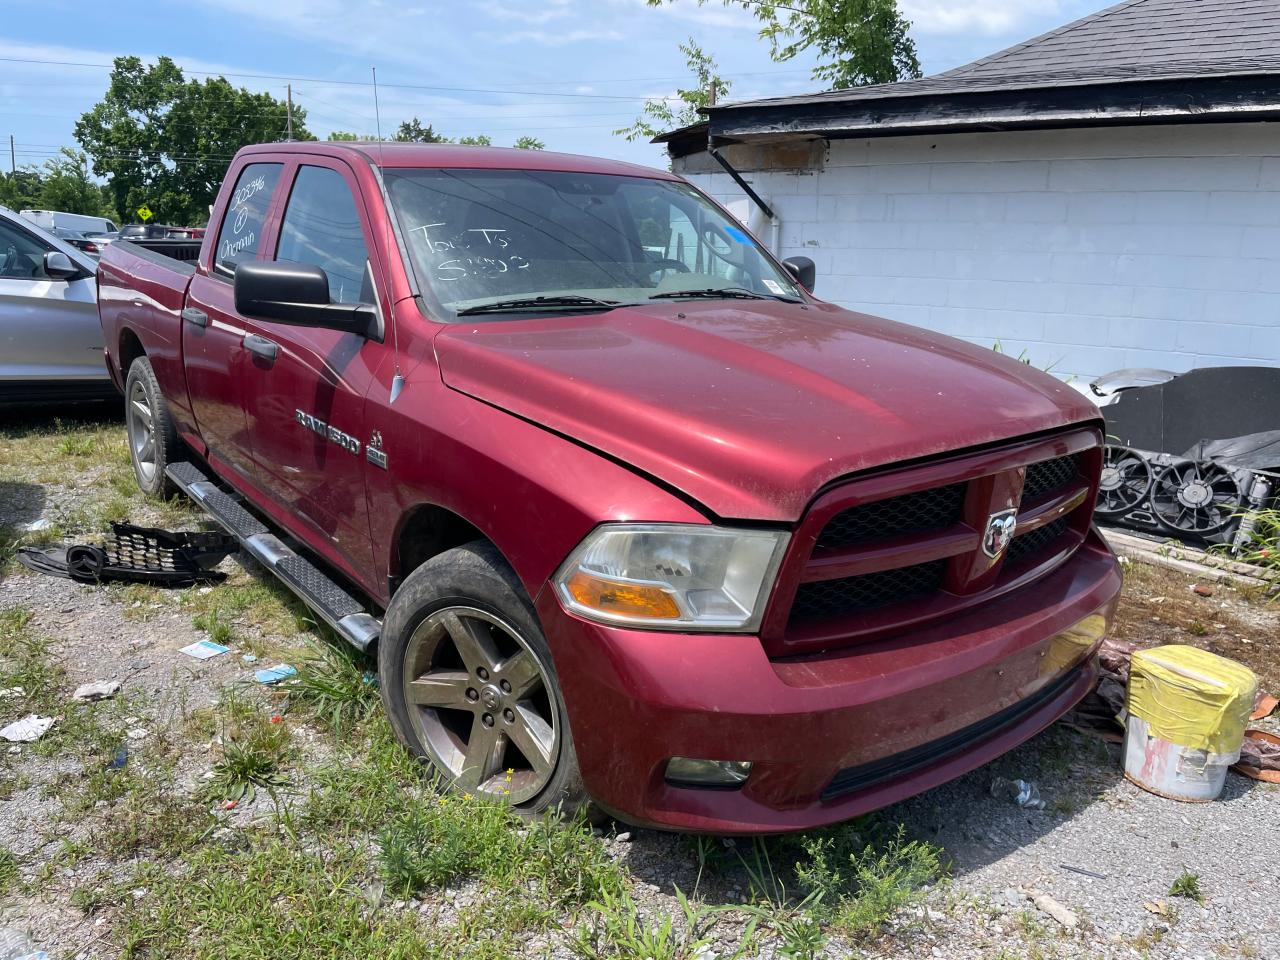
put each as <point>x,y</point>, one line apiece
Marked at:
<point>1205,99</point>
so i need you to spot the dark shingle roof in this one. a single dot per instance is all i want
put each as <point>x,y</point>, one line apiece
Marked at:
<point>1132,41</point>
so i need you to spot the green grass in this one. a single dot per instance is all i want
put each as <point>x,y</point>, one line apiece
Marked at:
<point>618,929</point>
<point>26,664</point>
<point>8,872</point>
<point>337,686</point>
<point>252,754</point>
<point>1187,885</point>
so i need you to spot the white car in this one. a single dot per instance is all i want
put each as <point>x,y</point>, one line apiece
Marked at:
<point>54,220</point>
<point>50,337</point>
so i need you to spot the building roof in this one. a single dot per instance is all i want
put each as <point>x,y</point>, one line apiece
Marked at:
<point>1203,57</point>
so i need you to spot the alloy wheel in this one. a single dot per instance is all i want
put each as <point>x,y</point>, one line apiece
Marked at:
<point>141,426</point>
<point>482,703</point>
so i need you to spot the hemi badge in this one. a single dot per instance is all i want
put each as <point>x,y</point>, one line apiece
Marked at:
<point>377,456</point>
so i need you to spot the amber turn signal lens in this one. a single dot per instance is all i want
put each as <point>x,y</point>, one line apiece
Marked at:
<point>623,599</point>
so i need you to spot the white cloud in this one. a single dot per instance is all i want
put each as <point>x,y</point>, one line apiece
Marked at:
<point>548,38</point>
<point>984,16</point>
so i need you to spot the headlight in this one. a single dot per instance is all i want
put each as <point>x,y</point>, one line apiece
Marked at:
<point>673,576</point>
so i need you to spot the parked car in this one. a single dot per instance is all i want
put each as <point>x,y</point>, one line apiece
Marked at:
<point>144,231</point>
<point>80,241</point>
<point>658,530</point>
<point>52,220</point>
<point>50,337</point>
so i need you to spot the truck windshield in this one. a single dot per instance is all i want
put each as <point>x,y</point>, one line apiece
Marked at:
<point>484,237</point>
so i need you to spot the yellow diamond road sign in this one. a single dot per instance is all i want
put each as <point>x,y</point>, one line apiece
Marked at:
<point>144,212</point>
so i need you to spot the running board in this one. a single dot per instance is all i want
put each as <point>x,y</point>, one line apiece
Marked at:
<point>341,611</point>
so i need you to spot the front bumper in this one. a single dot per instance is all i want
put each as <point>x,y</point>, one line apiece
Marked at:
<point>833,735</point>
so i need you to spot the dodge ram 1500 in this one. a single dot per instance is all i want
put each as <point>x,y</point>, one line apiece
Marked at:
<point>623,508</point>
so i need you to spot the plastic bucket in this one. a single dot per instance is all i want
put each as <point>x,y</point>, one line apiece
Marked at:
<point>1186,711</point>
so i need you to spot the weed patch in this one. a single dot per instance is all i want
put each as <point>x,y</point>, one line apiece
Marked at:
<point>251,756</point>
<point>1187,885</point>
<point>336,686</point>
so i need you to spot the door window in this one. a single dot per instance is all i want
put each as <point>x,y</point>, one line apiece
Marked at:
<point>21,254</point>
<point>321,227</point>
<point>242,226</point>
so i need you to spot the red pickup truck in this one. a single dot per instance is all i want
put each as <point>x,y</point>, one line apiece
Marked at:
<point>628,514</point>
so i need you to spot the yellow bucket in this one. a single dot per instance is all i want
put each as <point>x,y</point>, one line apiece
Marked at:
<point>1186,715</point>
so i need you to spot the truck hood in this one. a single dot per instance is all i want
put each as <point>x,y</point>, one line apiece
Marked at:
<point>751,407</point>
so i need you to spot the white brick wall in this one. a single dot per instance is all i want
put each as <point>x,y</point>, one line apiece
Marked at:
<point>1090,250</point>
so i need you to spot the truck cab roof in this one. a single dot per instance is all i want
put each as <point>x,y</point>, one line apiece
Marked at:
<point>396,155</point>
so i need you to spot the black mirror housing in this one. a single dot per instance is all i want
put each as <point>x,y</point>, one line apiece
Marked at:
<point>58,266</point>
<point>803,269</point>
<point>296,294</point>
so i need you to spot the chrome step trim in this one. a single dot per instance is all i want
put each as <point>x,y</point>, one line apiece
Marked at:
<point>361,630</point>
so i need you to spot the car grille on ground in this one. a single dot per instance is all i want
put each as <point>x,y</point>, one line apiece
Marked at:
<point>910,513</point>
<point>918,555</point>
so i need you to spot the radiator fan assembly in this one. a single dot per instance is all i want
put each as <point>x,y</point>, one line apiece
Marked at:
<point>1195,500</point>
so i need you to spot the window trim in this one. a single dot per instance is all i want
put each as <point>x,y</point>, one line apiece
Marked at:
<point>356,204</point>
<point>40,242</point>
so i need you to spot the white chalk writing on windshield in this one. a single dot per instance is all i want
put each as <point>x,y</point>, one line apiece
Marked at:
<point>486,241</point>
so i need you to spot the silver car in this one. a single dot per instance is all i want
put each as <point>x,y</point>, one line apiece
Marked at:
<point>50,338</point>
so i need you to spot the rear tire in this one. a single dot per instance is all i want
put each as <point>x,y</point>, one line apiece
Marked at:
<point>153,440</point>
<point>469,685</point>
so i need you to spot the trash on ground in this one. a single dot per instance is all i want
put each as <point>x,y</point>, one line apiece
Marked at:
<point>27,730</point>
<point>98,690</point>
<point>371,679</point>
<point>275,674</point>
<point>12,693</point>
<point>229,804</point>
<point>35,526</point>
<point>1046,904</point>
<point>248,658</point>
<point>1083,871</point>
<point>137,733</point>
<point>131,554</point>
<point>1202,590</point>
<point>1158,907</point>
<point>1024,794</point>
<point>1260,756</point>
<point>204,649</point>
<point>1263,707</point>
<point>1186,713</point>
<point>16,945</point>
<point>119,758</point>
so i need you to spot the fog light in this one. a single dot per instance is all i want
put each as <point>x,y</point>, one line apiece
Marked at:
<point>687,772</point>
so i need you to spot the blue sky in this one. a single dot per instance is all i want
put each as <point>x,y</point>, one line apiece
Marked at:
<point>566,71</point>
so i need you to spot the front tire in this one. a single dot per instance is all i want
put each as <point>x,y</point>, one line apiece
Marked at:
<point>153,440</point>
<point>469,685</point>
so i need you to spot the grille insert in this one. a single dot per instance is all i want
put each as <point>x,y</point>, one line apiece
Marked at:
<point>919,512</point>
<point>827,598</point>
<point>1030,545</point>
<point>1050,476</point>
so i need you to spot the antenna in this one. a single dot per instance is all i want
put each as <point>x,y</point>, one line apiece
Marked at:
<point>397,381</point>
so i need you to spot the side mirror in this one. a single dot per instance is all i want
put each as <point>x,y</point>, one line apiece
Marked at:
<point>297,294</point>
<point>803,269</point>
<point>58,266</point>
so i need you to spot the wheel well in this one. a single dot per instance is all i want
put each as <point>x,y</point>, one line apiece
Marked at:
<point>425,532</point>
<point>130,350</point>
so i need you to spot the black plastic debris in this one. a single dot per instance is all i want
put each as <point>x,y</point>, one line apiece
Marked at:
<point>137,555</point>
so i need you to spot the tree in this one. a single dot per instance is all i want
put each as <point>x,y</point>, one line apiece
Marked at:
<point>20,190</point>
<point>412,131</point>
<point>862,41</point>
<point>529,143</point>
<point>67,186</point>
<point>479,140</point>
<point>165,141</point>
<point>658,116</point>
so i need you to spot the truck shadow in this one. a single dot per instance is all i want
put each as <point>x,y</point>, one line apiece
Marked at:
<point>20,503</point>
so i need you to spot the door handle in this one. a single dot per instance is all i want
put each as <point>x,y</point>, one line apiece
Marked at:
<point>261,347</point>
<point>195,317</point>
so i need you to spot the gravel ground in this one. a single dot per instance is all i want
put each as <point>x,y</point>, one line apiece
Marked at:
<point>1005,859</point>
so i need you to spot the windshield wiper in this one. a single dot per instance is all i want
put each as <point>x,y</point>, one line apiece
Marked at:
<point>537,303</point>
<point>721,293</point>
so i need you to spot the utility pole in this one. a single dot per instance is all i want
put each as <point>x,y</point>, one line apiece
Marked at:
<point>711,94</point>
<point>289,121</point>
<point>13,157</point>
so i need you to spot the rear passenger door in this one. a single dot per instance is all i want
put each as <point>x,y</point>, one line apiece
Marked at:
<point>305,386</point>
<point>213,333</point>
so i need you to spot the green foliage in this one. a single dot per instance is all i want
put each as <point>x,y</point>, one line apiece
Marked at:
<point>1263,546</point>
<point>67,186</point>
<point>619,931</point>
<point>165,141</point>
<point>1187,885</point>
<point>252,754</point>
<point>412,131</point>
<point>343,136</point>
<point>20,190</point>
<point>659,116</point>
<point>859,41</point>
<point>529,143</point>
<point>8,871</point>
<point>337,686</point>
<point>479,140</point>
